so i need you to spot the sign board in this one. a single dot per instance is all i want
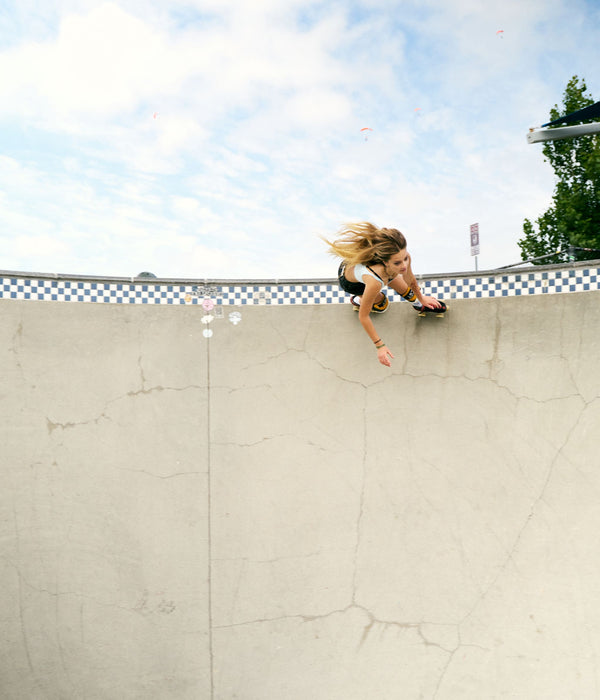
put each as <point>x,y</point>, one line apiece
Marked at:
<point>474,239</point>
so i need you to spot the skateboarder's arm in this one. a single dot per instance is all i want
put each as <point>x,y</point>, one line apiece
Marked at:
<point>411,280</point>
<point>372,289</point>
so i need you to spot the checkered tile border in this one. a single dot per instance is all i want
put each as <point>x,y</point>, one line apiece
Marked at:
<point>579,277</point>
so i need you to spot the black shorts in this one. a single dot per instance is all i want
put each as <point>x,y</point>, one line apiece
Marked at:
<point>356,288</point>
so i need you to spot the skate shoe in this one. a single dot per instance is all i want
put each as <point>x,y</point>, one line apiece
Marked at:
<point>354,303</point>
<point>381,306</point>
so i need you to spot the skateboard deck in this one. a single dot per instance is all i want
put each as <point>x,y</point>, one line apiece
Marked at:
<point>438,314</point>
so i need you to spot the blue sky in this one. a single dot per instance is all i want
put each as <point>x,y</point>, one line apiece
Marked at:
<point>220,138</point>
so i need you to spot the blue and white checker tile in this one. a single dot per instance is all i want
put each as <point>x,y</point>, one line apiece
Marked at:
<point>557,279</point>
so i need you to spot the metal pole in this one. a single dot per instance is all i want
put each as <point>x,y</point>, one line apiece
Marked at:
<point>564,132</point>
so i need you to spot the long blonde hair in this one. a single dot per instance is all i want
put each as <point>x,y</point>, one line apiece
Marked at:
<point>364,243</point>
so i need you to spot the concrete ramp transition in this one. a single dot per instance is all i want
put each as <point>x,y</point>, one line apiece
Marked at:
<point>270,514</point>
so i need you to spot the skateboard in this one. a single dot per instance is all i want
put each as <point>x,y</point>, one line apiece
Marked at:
<point>433,312</point>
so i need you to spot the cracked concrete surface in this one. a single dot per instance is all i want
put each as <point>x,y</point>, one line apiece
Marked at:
<point>271,514</point>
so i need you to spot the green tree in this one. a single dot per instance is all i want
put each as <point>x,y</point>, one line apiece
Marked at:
<point>572,223</point>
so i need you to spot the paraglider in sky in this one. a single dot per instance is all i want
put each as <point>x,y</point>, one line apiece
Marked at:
<point>501,33</point>
<point>365,131</point>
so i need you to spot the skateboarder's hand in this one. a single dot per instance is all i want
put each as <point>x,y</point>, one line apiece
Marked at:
<point>384,355</point>
<point>431,302</point>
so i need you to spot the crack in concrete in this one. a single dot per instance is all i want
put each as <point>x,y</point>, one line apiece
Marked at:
<point>175,475</point>
<point>55,425</point>
<point>372,622</point>
<point>361,502</point>
<point>52,426</point>
<point>165,606</point>
<point>15,347</point>
<point>528,520</point>
<point>275,560</point>
<point>270,438</point>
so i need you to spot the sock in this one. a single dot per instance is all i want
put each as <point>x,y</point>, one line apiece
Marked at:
<point>410,296</point>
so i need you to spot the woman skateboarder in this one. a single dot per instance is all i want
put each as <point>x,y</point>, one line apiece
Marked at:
<point>373,259</point>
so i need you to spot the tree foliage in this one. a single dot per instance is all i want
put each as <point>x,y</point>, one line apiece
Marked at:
<point>572,223</point>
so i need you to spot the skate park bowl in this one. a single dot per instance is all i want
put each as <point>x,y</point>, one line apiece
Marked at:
<point>215,491</point>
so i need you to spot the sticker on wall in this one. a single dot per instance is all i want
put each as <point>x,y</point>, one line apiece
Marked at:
<point>205,296</point>
<point>261,296</point>
<point>201,292</point>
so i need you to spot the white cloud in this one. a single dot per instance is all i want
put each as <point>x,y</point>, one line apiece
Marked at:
<point>98,65</point>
